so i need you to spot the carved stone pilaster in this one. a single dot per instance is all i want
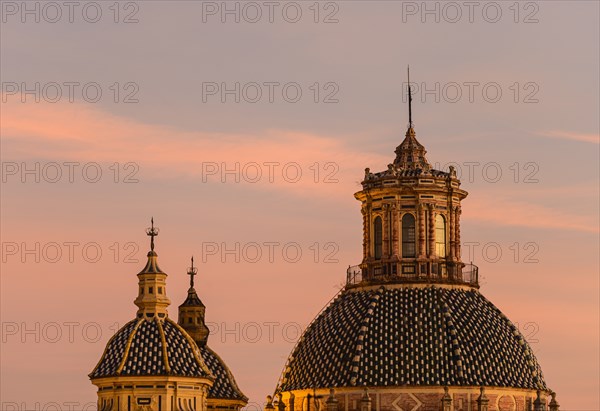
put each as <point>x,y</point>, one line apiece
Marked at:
<point>386,232</point>
<point>452,230</point>
<point>395,228</point>
<point>431,216</point>
<point>421,221</point>
<point>204,397</point>
<point>366,232</point>
<point>457,232</point>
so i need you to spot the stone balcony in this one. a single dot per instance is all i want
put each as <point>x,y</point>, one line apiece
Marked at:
<point>439,272</point>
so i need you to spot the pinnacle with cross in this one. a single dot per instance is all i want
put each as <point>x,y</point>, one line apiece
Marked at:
<point>192,271</point>
<point>152,232</point>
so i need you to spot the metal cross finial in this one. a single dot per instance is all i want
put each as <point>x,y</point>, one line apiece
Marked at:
<point>410,123</point>
<point>152,232</point>
<point>192,271</point>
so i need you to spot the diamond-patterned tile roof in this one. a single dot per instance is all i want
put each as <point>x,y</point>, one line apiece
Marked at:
<point>224,386</point>
<point>411,336</point>
<point>138,349</point>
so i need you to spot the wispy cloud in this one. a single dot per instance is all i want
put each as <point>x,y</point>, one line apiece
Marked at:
<point>507,212</point>
<point>79,132</point>
<point>570,135</point>
<point>84,133</point>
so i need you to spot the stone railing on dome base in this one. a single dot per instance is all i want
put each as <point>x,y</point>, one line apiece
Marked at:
<point>413,272</point>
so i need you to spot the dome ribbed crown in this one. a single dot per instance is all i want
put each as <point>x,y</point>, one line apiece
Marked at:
<point>151,348</point>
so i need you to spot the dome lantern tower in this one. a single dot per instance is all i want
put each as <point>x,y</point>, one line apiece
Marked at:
<point>152,298</point>
<point>411,221</point>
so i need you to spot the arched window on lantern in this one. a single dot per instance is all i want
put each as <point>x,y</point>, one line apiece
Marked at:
<point>440,236</point>
<point>408,236</point>
<point>378,237</point>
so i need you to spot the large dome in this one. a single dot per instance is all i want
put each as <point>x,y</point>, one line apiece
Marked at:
<point>149,348</point>
<point>415,335</point>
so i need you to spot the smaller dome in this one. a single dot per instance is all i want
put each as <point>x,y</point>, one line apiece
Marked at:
<point>151,347</point>
<point>224,386</point>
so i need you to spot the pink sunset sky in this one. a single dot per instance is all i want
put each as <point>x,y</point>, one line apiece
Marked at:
<point>223,179</point>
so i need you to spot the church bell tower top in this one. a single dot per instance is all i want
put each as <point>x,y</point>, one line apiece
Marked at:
<point>410,154</point>
<point>192,299</point>
<point>411,221</point>
<point>192,312</point>
<point>152,300</point>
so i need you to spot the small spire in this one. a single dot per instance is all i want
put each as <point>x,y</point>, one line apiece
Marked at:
<point>152,232</point>
<point>539,404</point>
<point>269,405</point>
<point>482,400</point>
<point>152,297</point>
<point>192,271</point>
<point>332,403</point>
<point>280,403</point>
<point>410,122</point>
<point>446,400</point>
<point>365,401</point>
<point>553,405</point>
